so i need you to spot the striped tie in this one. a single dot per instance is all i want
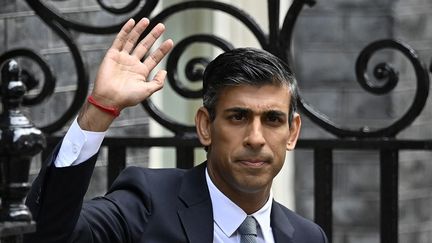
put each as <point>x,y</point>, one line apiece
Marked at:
<point>248,230</point>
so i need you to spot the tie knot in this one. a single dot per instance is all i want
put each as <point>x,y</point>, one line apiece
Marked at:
<point>248,227</point>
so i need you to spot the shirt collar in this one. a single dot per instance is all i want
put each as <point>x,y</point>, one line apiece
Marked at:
<point>228,216</point>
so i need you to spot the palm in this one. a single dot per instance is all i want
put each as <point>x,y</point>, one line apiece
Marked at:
<point>122,77</point>
<point>127,73</point>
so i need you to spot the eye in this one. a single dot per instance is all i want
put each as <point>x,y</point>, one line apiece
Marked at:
<point>238,116</point>
<point>274,119</point>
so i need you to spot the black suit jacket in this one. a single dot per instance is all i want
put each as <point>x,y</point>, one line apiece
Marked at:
<point>143,205</point>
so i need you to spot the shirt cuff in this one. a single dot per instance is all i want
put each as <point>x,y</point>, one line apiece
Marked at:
<point>78,146</point>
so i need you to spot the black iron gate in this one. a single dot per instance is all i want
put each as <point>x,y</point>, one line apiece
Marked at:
<point>277,41</point>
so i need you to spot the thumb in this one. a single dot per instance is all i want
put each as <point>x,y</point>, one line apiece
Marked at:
<point>156,83</point>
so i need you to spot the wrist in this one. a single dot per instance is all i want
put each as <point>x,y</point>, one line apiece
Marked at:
<point>112,110</point>
<point>92,118</point>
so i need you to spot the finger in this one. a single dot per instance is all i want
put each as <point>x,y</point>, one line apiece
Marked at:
<point>134,34</point>
<point>121,37</point>
<point>153,59</point>
<point>144,46</point>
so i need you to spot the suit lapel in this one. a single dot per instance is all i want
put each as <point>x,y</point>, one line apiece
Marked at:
<point>282,228</point>
<point>197,215</point>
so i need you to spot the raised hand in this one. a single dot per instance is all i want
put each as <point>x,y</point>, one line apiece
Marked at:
<point>122,79</point>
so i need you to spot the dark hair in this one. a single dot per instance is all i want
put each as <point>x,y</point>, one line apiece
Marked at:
<point>246,66</point>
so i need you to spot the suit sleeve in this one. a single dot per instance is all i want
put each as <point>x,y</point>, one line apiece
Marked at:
<point>324,236</point>
<point>56,202</point>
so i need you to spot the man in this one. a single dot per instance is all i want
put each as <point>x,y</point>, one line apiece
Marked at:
<point>247,123</point>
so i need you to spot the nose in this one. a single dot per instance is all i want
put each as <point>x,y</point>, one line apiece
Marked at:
<point>254,138</point>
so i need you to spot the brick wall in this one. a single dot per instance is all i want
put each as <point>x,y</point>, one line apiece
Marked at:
<point>328,39</point>
<point>21,28</point>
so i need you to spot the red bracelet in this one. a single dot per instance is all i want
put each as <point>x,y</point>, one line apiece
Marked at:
<point>110,110</point>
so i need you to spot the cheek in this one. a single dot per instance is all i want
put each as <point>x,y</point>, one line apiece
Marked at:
<point>278,140</point>
<point>226,139</point>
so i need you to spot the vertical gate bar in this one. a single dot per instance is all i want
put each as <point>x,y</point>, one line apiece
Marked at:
<point>116,162</point>
<point>389,166</point>
<point>323,183</point>
<point>12,239</point>
<point>273,8</point>
<point>185,157</point>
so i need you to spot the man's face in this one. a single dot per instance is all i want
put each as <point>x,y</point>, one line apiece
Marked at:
<point>249,137</point>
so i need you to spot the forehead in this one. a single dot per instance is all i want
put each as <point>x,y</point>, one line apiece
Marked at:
<point>255,97</point>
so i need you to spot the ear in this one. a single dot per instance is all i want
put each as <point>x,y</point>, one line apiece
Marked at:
<point>202,124</point>
<point>294,132</point>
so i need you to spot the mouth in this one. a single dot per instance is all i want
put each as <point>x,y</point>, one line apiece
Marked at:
<point>254,163</point>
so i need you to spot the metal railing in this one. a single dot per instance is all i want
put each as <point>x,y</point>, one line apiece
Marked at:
<point>277,41</point>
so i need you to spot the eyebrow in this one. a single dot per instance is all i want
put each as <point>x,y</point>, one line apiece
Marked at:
<point>238,110</point>
<point>247,110</point>
<point>276,113</point>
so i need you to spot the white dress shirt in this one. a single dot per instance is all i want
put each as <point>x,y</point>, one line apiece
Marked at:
<point>79,145</point>
<point>227,217</point>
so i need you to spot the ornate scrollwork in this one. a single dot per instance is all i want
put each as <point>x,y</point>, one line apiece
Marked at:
<point>195,67</point>
<point>277,41</point>
<point>383,72</point>
<point>49,14</point>
<point>133,4</point>
<point>28,79</point>
<point>192,73</point>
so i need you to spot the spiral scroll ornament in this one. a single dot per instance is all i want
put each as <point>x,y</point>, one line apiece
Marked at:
<point>278,41</point>
<point>195,67</point>
<point>385,73</point>
<point>28,79</point>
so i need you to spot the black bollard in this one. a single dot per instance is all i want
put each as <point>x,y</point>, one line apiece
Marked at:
<point>20,140</point>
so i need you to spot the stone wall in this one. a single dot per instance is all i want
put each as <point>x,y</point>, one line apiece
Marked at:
<point>328,39</point>
<point>21,28</point>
